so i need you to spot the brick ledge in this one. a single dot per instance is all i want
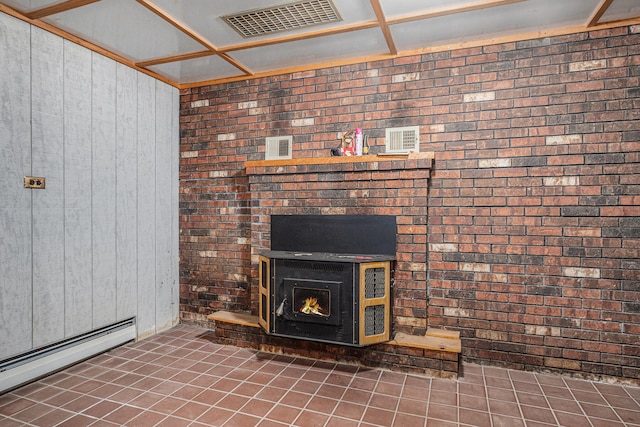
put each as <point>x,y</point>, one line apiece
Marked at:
<point>435,339</point>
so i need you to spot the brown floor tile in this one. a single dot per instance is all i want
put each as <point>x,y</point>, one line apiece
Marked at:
<point>505,421</point>
<point>474,402</point>
<point>283,414</point>
<point>332,391</point>
<point>256,407</point>
<point>18,404</point>
<point>527,387</point>
<point>322,404</point>
<point>215,416</point>
<point>167,405</point>
<point>105,391</point>
<point>123,414</point>
<point>412,407</point>
<point>356,396</point>
<point>391,389</point>
<point>315,374</point>
<point>261,378</point>
<point>171,421</point>
<point>379,401</point>
<point>33,412</point>
<point>191,410</point>
<point>616,401</point>
<point>415,393</point>
<point>442,412</point>
<point>146,418</point>
<point>564,405</point>
<point>349,410</point>
<point>598,422</point>
<point>377,416</point>
<point>310,419</point>
<point>474,418</point>
<point>187,392</point>
<point>52,418</point>
<point>63,398</point>
<point>472,389</point>
<point>81,403</point>
<point>504,383</point>
<point>534,413</point>
<point>272,394</point>
<point>209,397</point>
<point>407,420</point>
<point>125,395</point>
<point>599,411</point>
<point>242,420</point>
<point>204,381</point>
<point>232,402</point>
<point>530,399</point>
<point>101,409</point>
<point>630,417</point>
<point>341,422</point>
<point>271,423</point>
<point>567,419</point>
<point>304,386</point>
<point>295,399</point>
<point>444,398</point>
<point>509,409</point>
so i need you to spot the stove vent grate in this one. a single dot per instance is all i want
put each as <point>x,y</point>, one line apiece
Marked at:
<point>286,17</point>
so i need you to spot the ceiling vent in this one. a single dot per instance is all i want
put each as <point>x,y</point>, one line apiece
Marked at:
<point>291,16</point>
<point>402,140</point>
<point>278,147</point>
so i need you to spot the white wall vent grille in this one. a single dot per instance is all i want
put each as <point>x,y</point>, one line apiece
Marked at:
<point>402,140</point>
<point>278,147</point>
<point>290,16</point>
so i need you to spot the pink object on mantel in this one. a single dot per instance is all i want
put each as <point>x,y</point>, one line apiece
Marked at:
<point>358,141</point>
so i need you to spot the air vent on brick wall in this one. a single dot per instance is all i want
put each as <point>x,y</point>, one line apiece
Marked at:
<point>278,147</point>
<point>402,140</point>
<point>284,17</point>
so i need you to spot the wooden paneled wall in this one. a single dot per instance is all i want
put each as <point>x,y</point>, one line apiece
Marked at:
<point>100,243</point>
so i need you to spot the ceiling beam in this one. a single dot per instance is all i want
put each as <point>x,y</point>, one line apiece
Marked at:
<point>384,27</point>
<point>303,36</point>
<point>175,58</point>
<point>602,8</point>
<point>168,18</point>
<point>483,4</point>
<point>58,8</point>
<point>195,36</point>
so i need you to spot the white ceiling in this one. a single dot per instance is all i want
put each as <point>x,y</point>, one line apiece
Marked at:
<point>187,43</point>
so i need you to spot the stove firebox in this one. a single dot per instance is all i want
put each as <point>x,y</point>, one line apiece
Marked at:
<point>330,297</point>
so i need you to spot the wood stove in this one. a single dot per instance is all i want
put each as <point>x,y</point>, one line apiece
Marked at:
<point>336,286</point>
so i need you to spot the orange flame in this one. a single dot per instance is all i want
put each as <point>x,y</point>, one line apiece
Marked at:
<point>311,306</point>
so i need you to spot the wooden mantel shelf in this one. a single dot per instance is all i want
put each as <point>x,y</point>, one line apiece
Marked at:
<point>338,160</point>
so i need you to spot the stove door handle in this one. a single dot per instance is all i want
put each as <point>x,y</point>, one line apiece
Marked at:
<point>280,310</point>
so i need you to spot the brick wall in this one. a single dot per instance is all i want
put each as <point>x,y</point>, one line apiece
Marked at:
<point>534,217</point>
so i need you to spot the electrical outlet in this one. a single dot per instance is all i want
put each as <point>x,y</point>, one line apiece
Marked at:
<point>33,182</point>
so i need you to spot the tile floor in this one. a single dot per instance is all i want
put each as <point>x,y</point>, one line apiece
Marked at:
<point>181,378</point>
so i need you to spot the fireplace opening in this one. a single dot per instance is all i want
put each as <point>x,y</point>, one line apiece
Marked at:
<point>317,305</point>
<point>329,278</point>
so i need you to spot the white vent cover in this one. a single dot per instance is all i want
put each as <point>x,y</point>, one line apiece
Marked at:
<point>278,147</point>
<point>402,140</point>
<point>284,17</point>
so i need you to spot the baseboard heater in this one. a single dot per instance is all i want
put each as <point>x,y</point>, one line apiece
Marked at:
<point>34,364</point>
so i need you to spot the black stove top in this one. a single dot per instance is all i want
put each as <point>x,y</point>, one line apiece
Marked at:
<point>326,256</point>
